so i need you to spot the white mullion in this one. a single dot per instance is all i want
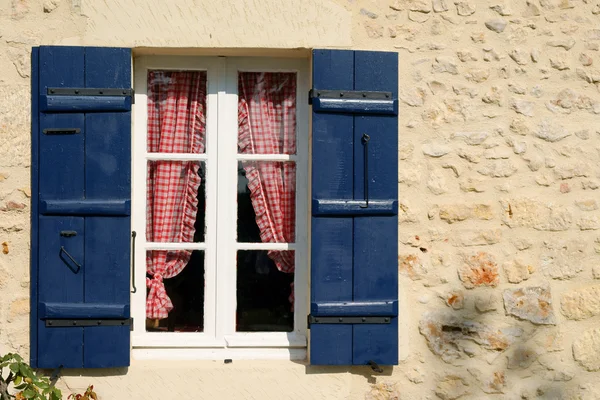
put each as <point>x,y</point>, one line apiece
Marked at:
<point>177,156</point>
<point>265,246</point>
<point>174,246</point>
<point>227,197</point>
<point>267,157</point>
<point>211,152</point>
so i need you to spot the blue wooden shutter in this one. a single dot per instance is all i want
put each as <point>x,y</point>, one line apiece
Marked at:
<point>81,191</point>
<point>354,242</point>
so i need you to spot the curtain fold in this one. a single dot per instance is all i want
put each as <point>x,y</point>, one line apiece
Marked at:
<point>176,124</point>
<point>267,125</point>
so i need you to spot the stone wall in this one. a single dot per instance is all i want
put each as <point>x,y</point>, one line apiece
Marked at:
<point>499,177</point>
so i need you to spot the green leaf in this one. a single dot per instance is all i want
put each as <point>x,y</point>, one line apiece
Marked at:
<point>24,370</point>
<point>54,396</point>
<point>43,385</point>
<point>21,386</point>
<point>14,367</point>
<point>18,357</point>
<point>29,393</point>
<point>18,380</point>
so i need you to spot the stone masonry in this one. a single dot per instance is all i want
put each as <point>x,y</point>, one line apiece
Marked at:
<point>499,182</point>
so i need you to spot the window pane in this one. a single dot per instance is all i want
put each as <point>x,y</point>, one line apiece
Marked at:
<point>182,274</point>
<point>176,111</point>
<point>266,113</point>
<point>265,297</point>
<point>266,202</point>
<point>176,201</point>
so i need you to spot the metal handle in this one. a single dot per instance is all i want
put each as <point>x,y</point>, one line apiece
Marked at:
<point>133,235</point>
<point>62,249</point>
<point>365,140</point>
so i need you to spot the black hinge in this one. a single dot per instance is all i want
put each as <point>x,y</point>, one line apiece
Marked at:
<point>76,323</point>
<point>348,94</point>
<point>348,320</point>
<point>91,92</point>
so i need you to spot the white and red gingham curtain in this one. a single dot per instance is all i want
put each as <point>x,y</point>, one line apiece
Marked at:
<point>176,124</point>
<point>267,125</point>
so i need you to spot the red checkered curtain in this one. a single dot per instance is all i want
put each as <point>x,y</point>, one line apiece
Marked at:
<point>176,124</point>
<point>267,125</point>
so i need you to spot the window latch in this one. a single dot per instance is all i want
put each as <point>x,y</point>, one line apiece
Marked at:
<point>133,235</point>
<point>365,140</point>
<point>63,250</point>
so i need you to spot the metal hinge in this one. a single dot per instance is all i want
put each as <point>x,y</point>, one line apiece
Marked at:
<point>348,320</point>
<point>91,92</point>
<point>348,95</point>
<point>76,323</point>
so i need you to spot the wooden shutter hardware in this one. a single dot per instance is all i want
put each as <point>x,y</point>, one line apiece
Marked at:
<point>66,323</point>
<point>89,92</point>
<point>347,320</point>
<point>347,95</point>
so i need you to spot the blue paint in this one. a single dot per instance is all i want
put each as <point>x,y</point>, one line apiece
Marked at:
<point>77,104</point>
<point>355,106</point>
<point>376,238</point>
<point>355,309</point>
<point>86,207</point>
<point>354,250</point>
<point>322,207</point>
<point>33,318</point>
<point>331,238</point>
<point>108,177</point>
<point>83,311</point>
<point>84,186</point>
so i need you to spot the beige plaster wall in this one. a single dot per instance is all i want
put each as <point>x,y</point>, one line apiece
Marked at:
<point>499,177</point>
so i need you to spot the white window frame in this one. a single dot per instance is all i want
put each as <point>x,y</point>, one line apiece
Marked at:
<point>219,339</point>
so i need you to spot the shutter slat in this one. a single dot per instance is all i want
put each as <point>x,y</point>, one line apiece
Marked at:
<point>108,172</point>
<point>355,106</point>
<point>35,182</point>
<point>355,309</point>
<point>61,175</point>
<point>353,207</point>
<point>332,237</point>
<point>354,227</point>
<point>85,207</point>
<point>69,104</point>
<point>79,310</point>
<point>376,239</point>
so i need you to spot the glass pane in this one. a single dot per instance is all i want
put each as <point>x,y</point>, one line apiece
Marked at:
<point>265,293</point>
<point>176,201</point>
<point>182,273</point>
<point>176,111</point>
<point>266,202</point>
<point>267,113</point>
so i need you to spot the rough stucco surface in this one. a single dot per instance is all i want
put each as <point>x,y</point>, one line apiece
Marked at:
<point>499,178</point>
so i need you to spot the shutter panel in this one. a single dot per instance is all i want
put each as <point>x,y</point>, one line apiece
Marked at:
<point>354,242</point>
<point>81,195</point>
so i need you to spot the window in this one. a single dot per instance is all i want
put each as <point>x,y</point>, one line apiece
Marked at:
<point>220,178</point>
<point>192,200</point>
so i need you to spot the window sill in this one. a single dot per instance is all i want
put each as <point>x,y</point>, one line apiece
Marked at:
<point>185,340</point>
<point>266,339</point>
<point>218,354</point>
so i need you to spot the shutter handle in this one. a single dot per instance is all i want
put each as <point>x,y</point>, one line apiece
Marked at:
<point>62,249</point>
<point>133,235</point>
<point>365,140</point>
